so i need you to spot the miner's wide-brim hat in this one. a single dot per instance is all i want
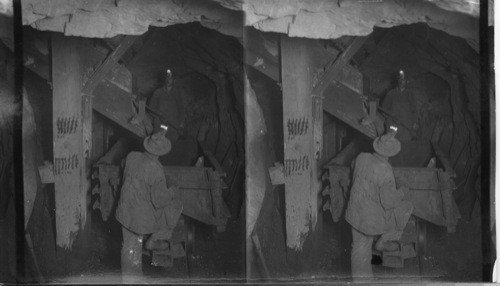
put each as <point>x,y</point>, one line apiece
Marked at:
<point>157,144</point>
<point>387,145</point>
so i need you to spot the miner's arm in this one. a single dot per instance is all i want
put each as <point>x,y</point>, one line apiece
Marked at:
<point>162,194</point>
<point>390,196</point>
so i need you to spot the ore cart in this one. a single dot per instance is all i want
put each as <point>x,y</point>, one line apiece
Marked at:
<point>200,191</point>
<point>430,191</point>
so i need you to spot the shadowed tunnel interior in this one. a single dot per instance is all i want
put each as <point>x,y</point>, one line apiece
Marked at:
<point>444,80</point>
<point>207,73</point>
<point>267,107</point>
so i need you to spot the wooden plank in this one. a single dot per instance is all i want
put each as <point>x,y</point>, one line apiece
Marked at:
<point>352,78</point>
<point>333,71</point>
<point>116,104</point>
<point>197,204</point>
<point>108,98</point>
<point>195,185</point>
<point>108,64</point>
<point>417,178</point>
<point>347,105</point>
<point>300,162</point>
<point>69,163</point>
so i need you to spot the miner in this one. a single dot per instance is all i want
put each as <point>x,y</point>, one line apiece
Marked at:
<point>166,103</point>
<point>376,207</point>
<point>148,208</point>
<point>401,105</point>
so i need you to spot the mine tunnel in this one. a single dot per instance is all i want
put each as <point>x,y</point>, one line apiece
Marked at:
<point>267,109</point>
<point>343,91</point>
<point>186,77</point>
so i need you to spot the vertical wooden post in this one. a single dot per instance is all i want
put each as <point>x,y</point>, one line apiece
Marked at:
<point>87,148</point>
<point>69,161</point>
<point>302,125</point>
<point>316,186</point>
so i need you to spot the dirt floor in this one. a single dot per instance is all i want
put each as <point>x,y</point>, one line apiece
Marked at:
<point>447,258</point>
<point>215,256</point>
<point>219,257</point>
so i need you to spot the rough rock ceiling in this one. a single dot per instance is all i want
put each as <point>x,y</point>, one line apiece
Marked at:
<point>328,19</point>
<point>108,18</point>
<point>468,7</point>
<point>324,19</point>
<point>6,7</point>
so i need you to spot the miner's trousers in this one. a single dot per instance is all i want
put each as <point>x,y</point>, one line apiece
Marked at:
<point>361,254</point>
<point>131,256</point>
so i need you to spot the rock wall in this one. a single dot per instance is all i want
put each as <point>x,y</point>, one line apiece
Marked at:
<point>265,202</point>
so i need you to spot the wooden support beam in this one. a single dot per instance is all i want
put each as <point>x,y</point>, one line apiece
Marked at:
<point>69,163</point>
<point>333,71</point>
<point>108,64</point>
<point>301,123</point>
<point>116,104</point>
<point>347,105</point>
<point>346,102</point>
<point>111,97</point>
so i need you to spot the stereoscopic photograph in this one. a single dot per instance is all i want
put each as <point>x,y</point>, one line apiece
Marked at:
<point>247,141</point>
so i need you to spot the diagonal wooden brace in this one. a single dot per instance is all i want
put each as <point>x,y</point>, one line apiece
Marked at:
<point>334,70</point>
<point>108,64</point>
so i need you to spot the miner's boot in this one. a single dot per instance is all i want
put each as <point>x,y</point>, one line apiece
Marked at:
<point>386,246</point>
<point>156,244</point>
